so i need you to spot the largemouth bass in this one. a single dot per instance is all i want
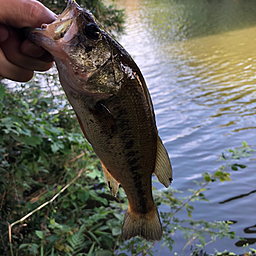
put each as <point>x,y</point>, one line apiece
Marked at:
<point>109,96</point>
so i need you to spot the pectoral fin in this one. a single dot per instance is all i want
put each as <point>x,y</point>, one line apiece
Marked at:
<point>163,168</point>
<point>111,182</point>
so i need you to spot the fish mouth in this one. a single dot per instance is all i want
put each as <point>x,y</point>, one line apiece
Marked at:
<point>60,32</point>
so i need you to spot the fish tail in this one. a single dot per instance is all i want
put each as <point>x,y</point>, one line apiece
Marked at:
<point>146,225</point>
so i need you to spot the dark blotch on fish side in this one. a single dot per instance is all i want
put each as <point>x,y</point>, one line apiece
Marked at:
<point>113,128</point>
<point>131,153</point>
<point>137,179</point>
<point>134,168</point>
<point>141,195</point>
<point>133,161</point>
<point>123,125</point>
<point>129,144</point>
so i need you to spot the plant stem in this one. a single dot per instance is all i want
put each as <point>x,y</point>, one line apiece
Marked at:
<point>189,242</point>
<point>38,208</point>
<point>203,186</point>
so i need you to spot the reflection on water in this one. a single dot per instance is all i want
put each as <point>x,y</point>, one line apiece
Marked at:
<point>237,197</point>
<point>199,61</point>
<point>244,241</point>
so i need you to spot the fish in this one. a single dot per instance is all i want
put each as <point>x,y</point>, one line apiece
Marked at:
<point>114,109</point>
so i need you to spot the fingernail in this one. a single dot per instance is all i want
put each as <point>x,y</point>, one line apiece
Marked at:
<point>32,50</point>
<point>4,34</point>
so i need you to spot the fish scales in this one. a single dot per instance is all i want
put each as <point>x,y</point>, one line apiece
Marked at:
<point>109,96</point>
<point>120,125</point>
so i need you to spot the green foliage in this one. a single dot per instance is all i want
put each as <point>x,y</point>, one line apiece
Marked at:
<point>41,150</point>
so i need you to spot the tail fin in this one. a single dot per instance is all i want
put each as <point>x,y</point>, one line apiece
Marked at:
<point>146,225</point>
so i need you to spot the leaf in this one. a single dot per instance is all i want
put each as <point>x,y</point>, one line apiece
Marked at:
<point>25,104</point>
<point>104,253</point>
<point>83,196</point>
<point>76,240</point>
<point>91,249</point>
<point>233,167</point>
<point>116,231</point>
<point>201,239</point>
<point>223,156</point>
<point>40,234</point>
<point>207,177</point>
<point>52,222</point>
<point>65,204</point>
<point>73,197</point>
<point>32,141</point>
<point>56,146</point>
<point>94,237</point>
<point>244,143</point>
<point>53,238</point>
<point>2,92</point>
<point>34,248</point>
<point>23,246</point>
<point>119,216</point>
<point>241,166</point>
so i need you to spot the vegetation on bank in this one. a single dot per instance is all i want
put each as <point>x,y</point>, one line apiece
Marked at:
<point>53,197</point>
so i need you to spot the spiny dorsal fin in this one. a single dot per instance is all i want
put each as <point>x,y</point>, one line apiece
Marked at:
<point>163,168</point>
<point>111,182</point>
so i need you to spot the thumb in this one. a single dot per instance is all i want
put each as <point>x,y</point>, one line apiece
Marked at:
<point>24,13</point>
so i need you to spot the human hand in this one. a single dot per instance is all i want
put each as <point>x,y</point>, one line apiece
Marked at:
<point>19,58</point>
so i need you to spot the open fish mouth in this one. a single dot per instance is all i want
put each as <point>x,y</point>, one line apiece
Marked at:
<point>59,27</point>
<point>62,30</point>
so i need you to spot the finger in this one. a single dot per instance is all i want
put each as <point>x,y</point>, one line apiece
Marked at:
<point>3,33</point>
<point>24,13</point>
<point>31,49</point>
<point>13,72</point>
<point>12,50</point>
<point>35,51</point>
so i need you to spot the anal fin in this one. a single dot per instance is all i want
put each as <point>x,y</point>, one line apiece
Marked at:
<point>111,181</point>
<point>163,168</point>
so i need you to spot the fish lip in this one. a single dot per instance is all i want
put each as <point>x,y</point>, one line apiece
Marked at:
<point>64,19</point>
<point>71,11</point>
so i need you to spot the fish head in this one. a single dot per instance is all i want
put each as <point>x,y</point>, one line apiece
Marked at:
<point>81,50</point>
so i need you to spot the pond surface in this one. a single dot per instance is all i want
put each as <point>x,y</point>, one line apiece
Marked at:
<point>199,62</point>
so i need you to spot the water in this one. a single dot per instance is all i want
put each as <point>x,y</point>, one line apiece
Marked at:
<point>198,59</point>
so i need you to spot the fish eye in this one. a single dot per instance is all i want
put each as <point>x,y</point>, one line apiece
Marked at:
<point>92,31</point>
